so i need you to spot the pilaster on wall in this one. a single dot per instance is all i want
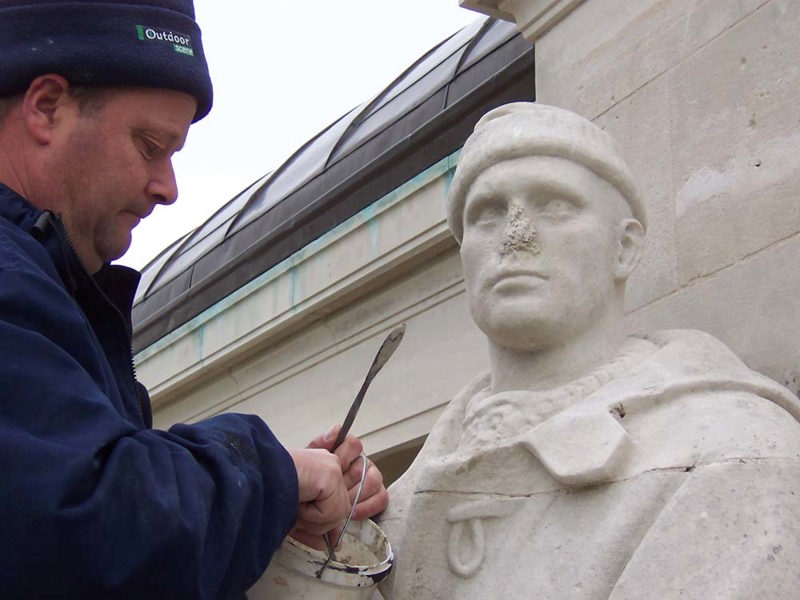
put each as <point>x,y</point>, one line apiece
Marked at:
<point>534,18</point>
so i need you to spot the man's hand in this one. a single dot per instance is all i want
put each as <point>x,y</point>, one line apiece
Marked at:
<point>324,500</point>
<point>321,490</point>
<point>374,497</point>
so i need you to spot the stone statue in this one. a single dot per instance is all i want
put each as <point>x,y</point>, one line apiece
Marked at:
<point>588,463</point>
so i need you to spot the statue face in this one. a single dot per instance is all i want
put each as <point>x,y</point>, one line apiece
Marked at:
<point>541,240</point>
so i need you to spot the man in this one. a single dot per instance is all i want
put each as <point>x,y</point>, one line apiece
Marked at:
<point>95,98</point>
<point>586,463</point>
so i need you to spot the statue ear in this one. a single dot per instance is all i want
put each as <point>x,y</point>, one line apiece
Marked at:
<point>629,250</point>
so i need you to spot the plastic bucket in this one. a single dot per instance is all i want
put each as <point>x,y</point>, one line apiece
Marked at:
<point>364,558</point>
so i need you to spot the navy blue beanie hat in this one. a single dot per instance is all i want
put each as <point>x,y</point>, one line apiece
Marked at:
<point>144,43</point>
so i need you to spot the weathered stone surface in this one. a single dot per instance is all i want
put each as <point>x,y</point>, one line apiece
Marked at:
<point>734,103</point>
<point>751,306</point>
<point>641,126</point>
<point>588,464</point>
<point>606,51</point>
<point>701,95</point>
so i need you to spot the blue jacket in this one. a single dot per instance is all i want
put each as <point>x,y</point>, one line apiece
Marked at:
<point>93,502</point>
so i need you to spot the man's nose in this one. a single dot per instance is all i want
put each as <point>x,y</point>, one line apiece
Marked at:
<point>519,233</point>
<point>163,187</point>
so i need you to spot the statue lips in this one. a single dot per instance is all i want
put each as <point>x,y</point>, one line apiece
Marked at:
<point>517,279</point>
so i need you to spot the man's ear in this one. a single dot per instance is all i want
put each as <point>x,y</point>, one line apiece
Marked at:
<point>631,244</point>
<point>42,105</point>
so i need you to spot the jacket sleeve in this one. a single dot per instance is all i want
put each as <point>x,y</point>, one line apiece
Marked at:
<point>92,505</point>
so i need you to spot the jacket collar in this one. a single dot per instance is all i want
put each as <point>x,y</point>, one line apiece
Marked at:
<point>119,283</point>
<point>16,209</point>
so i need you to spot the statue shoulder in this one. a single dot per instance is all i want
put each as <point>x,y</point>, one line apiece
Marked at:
<point>689,357</point>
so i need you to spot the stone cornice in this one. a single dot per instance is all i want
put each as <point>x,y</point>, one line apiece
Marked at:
<point>534,18</point>
<point>389,234</point>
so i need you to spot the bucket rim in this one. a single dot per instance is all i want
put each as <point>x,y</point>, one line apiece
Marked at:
<point>340,573</point>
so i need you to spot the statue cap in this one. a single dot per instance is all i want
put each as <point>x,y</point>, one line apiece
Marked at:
<point>523,129</point>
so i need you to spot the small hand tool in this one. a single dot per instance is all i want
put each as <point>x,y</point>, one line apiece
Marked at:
<point>385,352</point>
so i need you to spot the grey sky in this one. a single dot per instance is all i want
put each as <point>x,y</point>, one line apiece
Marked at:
<point>282,72</point>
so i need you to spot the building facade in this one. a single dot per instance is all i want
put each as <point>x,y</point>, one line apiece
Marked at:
<point>278,303</point>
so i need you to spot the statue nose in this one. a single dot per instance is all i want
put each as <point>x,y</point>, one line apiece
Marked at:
<point>519,233</point>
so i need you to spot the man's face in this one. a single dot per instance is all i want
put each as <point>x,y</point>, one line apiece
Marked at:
<point>541,237</point>
<point>114,164</point>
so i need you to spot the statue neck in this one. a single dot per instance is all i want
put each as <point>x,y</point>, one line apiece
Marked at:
<point>553,366</point>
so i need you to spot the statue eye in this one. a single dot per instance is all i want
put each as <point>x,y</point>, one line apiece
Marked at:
<point>559,207</point>
<point>486,212</point>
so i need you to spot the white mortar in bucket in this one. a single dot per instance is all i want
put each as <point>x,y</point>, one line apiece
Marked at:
<point>364,557</point>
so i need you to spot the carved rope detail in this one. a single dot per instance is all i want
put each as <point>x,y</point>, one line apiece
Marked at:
<point>465,556</point>
<point>466,545</point>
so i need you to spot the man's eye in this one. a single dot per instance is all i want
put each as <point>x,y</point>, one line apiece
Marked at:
<point>148,148</point>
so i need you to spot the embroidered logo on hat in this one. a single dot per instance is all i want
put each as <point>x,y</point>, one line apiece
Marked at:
<point>181,43</point>
<point>137,43</point>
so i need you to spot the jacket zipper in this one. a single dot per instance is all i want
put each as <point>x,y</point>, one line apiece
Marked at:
<point>61,231</point>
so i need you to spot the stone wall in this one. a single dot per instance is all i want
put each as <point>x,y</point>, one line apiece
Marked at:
<point>702,96</point>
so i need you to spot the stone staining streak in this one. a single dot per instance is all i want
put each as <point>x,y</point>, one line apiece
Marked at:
<point>520,234</point>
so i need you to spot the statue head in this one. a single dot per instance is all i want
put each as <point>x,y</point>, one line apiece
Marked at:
<point>550,224</point>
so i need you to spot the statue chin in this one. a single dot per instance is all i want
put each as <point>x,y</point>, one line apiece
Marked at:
<point>516,326</point>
